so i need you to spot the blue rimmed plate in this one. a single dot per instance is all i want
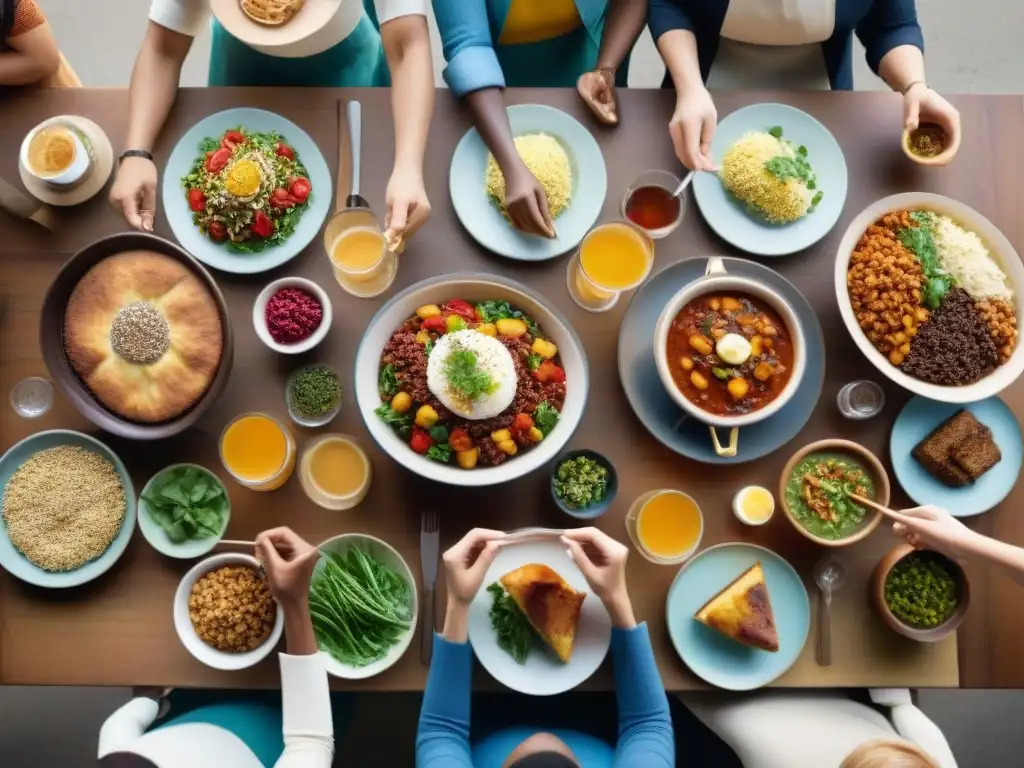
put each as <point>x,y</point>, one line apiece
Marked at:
<point>718,659</point>
<point>918,418</point>
<point>14,561</point>
<point>481,217</point>
<point>218,255</point>
<point>665,420</point>
<point>749,232</point>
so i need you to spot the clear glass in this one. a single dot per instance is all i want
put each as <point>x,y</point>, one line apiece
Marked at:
<point>633,516</point>
<point>277,478</point>
<point>317,421</point>
<point>364,282</point>
<point>589,293</point>
<point>32,397</point>
<point>665,180</point>
<point>861,400</point>
<point>317,494</point>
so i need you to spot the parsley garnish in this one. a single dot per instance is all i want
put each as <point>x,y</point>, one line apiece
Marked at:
<point>465,376</point>
<point>920,241</point>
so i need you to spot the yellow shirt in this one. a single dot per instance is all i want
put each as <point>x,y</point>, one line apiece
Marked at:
<point>530,21</point>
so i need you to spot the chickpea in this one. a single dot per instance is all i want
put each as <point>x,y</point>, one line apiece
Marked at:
<point>699,380</point>
<point>718,333</point>
<point>714,305</point>
<point>700,345</point>
<point>755,346</point>
<point>763,371</point>
<point>908,321</point>
<point>770,330</point>
<point>769,342</point>
<point>896,357</point>
<point>686,363</point>
<point>905,348</point>
<point>920,314</point>
<point>738,388</point>
<point>729,304</point>
<point>899,338</point>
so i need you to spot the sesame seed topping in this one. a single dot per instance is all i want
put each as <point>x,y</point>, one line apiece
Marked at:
<point>140,334</point>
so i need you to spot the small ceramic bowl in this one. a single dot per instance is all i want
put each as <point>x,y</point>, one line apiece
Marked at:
<point>596,509</point>
<point>259,315</point>
<point>297,416</point>
<point>157,536</point>
<point>934,634</point>
<point>944,158</point>
<point>209,655</point>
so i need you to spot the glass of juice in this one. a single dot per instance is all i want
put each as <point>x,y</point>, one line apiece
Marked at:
<point>258,451</point>
<point>612,258</point>
<point>335,472</point>
<point>363,264</point>
<point>650,204</point>
<point>666,526</point>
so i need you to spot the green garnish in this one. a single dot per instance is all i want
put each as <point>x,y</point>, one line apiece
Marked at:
<point>534,361</point>
<point>920,591</point>
<point>387,382</point>
<point>315,392</point>
<point>465,376</point>
<point>776,131</point>
<point>784,167</point>
<point>455,323</point>
<point>705,326</point>
<point>360,607</point>
<point>720,373</point>
<point>401,422</point>
<point>580,482</point>
<point>188,503</point>
<point>816,199</point>
<point>492,311</point>
<point>921,242</point>
<point>545,417</point>
<point>515,635</point>
<point>428,348</point>
<point>438,433</point>
<point>441,452</point>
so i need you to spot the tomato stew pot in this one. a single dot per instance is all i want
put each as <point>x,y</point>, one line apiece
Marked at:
<point>729,351</point>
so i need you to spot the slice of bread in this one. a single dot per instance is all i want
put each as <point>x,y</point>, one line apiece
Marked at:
<point>977,454</point>
<point>934,452</point>
<point>743,611</point>
<point>549,603</point>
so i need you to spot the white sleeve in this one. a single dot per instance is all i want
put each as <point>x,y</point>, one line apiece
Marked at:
<point>393,9</point>
<point>189,17</point>
<point>915,726</point>
<point>127,724</point>
<point>306,701</point>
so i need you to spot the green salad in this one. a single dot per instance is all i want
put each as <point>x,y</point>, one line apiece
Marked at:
<point>188,503</point>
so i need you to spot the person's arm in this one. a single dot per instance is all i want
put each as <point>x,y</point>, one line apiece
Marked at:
<point>695,118</point>
<point>645,727</point>
<point>442,738</point>
<point>890,27</point>
<point>34,55</point>
<point>914,725</point>
<point>1006,557</point>
<point>127,724</point>
<point>622,26</point>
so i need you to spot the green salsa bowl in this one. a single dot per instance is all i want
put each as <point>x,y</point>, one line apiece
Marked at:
<point>815,488</point>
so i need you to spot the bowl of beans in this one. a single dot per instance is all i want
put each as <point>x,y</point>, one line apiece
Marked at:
<point>921,594</point>
<point>224,613</point>
<point>292,315</point>
<point>929,290</point>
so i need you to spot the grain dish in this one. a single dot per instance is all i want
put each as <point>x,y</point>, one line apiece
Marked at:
<point>547,160</point>
<point>231,609</point>
<point>931,297</point>
<point>144,335</point>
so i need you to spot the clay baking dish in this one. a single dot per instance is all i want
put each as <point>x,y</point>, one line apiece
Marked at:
<point>51,337</point>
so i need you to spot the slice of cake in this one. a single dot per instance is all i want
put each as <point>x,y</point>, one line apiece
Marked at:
<point>743,611</point>
<point>549,603</point>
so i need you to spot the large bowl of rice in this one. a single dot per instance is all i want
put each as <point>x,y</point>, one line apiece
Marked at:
<point>978,259</point>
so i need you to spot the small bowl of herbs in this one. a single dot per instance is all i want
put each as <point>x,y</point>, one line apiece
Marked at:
<point>921,594</point>
<point>184,510</point>
<point>583,483</point>
<point>313,395</point>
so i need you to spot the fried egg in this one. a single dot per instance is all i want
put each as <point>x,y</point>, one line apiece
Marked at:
<point>243,179</point>
<point>489,357</point>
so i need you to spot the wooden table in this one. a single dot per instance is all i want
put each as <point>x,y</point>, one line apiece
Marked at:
<point>118,630</point>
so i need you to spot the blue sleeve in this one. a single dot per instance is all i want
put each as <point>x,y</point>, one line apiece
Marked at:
<point>466,43</point>
<point>645,727</point>
<point>889,24</point>
<point>442,739</point>
<point>666,15</point>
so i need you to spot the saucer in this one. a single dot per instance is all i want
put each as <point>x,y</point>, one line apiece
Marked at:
<point>95,179</point>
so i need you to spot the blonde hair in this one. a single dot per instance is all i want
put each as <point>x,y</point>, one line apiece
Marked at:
<point>888,754</point>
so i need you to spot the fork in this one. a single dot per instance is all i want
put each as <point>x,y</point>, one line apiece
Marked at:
<point>429,536</point>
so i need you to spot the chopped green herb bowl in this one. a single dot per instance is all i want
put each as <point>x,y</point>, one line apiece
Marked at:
<point>159,538</point>
<point>594,508</point>
<point>299,416</point>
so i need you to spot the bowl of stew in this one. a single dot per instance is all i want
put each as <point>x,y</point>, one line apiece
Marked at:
<point>729,351</point>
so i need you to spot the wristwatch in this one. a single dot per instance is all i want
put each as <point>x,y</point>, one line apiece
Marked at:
<point>134,153</point>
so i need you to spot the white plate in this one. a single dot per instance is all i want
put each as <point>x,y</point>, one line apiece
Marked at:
<point>543,674</point>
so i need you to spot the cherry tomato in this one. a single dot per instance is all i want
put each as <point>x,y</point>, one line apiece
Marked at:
<point>300,189</point>
<point>262,226</point>
<point>435,324</point>
<point>420,441</point>
<point>461,308</point>
<point>232,139</point>
<point>196,199</point>
<point>283,150</point>
<point>460,440</point>
<point>280,198</point>
<point>215,163</point>
<point>523,422</point>
<point>548,371</point>
<point>217,230</point>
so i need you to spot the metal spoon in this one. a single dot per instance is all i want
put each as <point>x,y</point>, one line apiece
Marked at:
<point>829,575</point>
<point>684,184</point>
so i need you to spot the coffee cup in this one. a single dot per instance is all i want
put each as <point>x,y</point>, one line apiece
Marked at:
<point>56,154</point>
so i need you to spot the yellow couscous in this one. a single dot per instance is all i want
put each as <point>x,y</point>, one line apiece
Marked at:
<point>546,159</point>
<point>746,175</point>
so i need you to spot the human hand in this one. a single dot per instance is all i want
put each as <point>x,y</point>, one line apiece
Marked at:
<point>407,207</point>
<point>598,91</point>
<point>693,127</point>
<point>526,203</point>
<point>466,564</point>
<point>922,104</point>
<point>602,560</point>
<point>134,192</point>
<point>932,527</point>
<point>289,562</point>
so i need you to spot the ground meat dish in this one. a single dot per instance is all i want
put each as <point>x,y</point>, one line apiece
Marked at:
<point>954,347</point>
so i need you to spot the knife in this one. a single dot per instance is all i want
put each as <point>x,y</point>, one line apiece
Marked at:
<point>19,204</point>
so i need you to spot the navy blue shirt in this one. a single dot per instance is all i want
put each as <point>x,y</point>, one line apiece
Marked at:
<point>881,26</point>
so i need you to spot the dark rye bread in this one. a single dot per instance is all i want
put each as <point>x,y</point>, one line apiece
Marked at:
<point>934,453</point>
<point>977,454</point>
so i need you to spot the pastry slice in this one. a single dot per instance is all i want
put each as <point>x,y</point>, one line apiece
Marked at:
<point>273,13</point>
<point>549,603</point>
<point>743,611</point>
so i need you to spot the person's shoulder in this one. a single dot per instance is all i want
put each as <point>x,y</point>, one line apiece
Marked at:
<point>393,9</point>
<point>27,16</point>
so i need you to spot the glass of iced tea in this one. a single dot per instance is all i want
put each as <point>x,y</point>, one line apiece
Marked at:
<point>612,258</point>
<point>649,203</point>
<point>363,263</point>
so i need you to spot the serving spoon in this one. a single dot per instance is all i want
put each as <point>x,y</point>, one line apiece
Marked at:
<point>829,575</point>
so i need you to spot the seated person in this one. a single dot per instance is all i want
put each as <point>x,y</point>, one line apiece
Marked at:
<point>645,729</point>
<point>28,53</point>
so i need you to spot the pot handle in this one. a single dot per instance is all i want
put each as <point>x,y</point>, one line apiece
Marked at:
<point>734,440</point>
<point>716,266</point>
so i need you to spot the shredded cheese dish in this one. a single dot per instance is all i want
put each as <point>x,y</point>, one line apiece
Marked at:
<point>963,255</point>
<point>745,174</point>
<point>547,160</point>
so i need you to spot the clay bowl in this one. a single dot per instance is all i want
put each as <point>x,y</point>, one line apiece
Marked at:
<point>854,451</point>
<point>944,158</point>
<point>934,634</point>
<point>51,337</point>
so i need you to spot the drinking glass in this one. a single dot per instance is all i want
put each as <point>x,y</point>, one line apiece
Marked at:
<point>363,281</point>
<point>588,290</point>
<point>662,180</point>
<point>277,478</point>
<point>632,528</point>
<point>313,490</point>
<point>32,397</point>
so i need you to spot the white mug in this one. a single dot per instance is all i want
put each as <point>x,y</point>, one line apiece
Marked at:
<point>70,175</point>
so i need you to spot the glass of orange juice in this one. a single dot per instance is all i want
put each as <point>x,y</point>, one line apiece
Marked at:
<point>612,258</point>
<point>666,526</point>
<point>258,451</point>
<point>363,264</point>
<point>335,472</point>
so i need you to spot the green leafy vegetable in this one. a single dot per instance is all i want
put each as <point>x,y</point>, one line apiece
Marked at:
<point>776,131</point>
<point>545,418</point>
<point>401,422</point>
<point>534,361</point>
<point>706,323</point>
<point>720,373</point>
<point>441,452</point>
<point>921,242</point>
<point>492,311</point>
<point>428,348</point>
<point>315,391</point>
<point>188,503</point>
<point>360,607</point>
<point>580,482</point>
<point>463,374</point>
<point>438,433</point>
<point>387,382</point>
<point>515,635</point>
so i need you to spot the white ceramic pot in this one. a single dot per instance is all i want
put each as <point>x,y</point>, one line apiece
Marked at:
<point>717,280</point>
<point>69,176</point>
<point>259,315</point>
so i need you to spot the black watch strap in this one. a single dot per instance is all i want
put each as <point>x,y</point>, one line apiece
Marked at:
<point>134,153</point>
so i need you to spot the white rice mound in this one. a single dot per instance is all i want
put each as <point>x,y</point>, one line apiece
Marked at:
<point>491,356</point>
<point>964,255</point>
<point>744,174</point>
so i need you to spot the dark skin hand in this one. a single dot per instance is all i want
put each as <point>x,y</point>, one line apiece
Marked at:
<point>524,196</point>
<point>622,26</point>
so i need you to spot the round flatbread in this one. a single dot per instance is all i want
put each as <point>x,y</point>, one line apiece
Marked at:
<point>273,13</point>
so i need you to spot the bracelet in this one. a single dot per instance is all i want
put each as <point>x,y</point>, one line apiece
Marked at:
<point>610,71</point>
<point>134,153</point>
<point>912,83</point>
